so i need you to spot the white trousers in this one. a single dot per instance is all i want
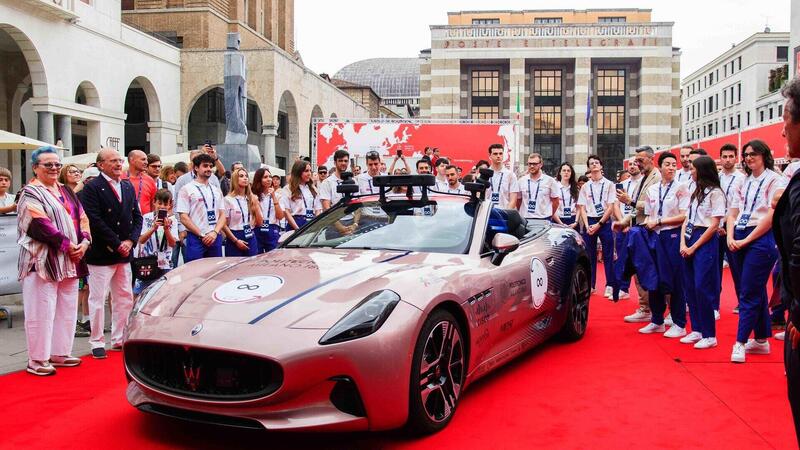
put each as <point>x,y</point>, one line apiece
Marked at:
<point>117,279</point>
<point>51,309</point>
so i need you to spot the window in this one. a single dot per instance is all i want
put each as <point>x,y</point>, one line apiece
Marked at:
<point>252,117</point>
<point>216,105</point>
<point>485,94</point>
<point>544,20</point>
<point>614,19</point>
<point>716,127</point>
<point>725,71</point>
<point>611,82</point>
<point>546,83</point>
<point>547,120</point>
<point>783,54</point>
<point>711,78</point>
<point>611,119</point>
<point>283,125</point>
<point>761,116</point>
<point>547,116</point>
<point>710,129</point>
<point>738,120</point>
<point>704,106</point>
<point>731,125</point>
<point>780,110</point>
<point>770,113</point>
<point>710,104</point>
<point>739,93</point>
<point>739,63</point>
<point>716,101</point>
<point>485,21</point>
<point>724,124</point>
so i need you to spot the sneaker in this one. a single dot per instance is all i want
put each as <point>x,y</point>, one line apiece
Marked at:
<point>691,338</point>
<point>86,325</point>
<point>736,310</point>
<point>639,316</point>
<point>40,368</point>
<point>116,348</point>
<point>716,314</point>
<point>65,361</point>
<point>80,332</point>
<point>624,295</point>
<point>756,348</point>
<point>668,320</point>
<point>609,292</point>
<point>675,331</point>
<point>706,343</point>
<point>780,336</point>
<point>99,353</point>
<point>737,355</point>
<point>651,328</point>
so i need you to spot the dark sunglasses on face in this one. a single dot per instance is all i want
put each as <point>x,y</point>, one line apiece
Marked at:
<point>51,165</point>
<point>751,154</point>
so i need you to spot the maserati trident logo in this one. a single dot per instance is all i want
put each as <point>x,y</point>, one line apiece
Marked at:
<point>197,328</point>
<point>191,375</point>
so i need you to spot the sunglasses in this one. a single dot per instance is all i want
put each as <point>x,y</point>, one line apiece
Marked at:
<point>751,154</point>
<point>51,165</point>
<point>533,164</point>
<point>372,153</point>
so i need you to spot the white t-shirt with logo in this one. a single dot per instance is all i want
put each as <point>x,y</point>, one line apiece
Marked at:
<point>566,200</point>
<point>298,206</point>
<point>630,187</point>
<point>365,185</point>
<point>537,196</point>
<point>755,196</point>
<point>597,197</point>
<point>327,189</point>
<point>713,206</point>
<point>502,184</point>
<point>198,201</point>
<point>268,209</point>
<point>237,212</point>
<point>667,200</point>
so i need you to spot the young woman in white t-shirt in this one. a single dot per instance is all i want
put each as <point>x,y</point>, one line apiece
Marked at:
<point>268,233</point>
<point>749,234</point>
<point>700,252</point>
<point>244,215</point>
<point>300,200</point>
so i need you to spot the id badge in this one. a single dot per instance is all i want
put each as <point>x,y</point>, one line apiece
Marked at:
<point>531,206</point>
<point>599,209</point>
<point>742,223</point>
<point>567,212</point>
<point>248,231</point>
<point>163,261</point>
<point>309,214</point>
<point>427,211</point>
<point>689,230</point>
<point>495,197</point>
<point>212,217</point>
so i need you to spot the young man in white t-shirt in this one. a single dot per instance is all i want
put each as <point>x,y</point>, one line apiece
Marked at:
<point>684,175</point>
<point>327,189</point>
<point>504,189</point>
<point>539,193</point>
<point>595,206</point>
<point>365,185</point>
<point>453,185</point>
<point>201,209</point>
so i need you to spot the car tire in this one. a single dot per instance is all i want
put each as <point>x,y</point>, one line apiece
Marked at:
<point>577,306</point>
<point>438,371</point>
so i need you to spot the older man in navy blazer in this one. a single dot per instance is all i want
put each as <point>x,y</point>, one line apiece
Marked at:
<point>115,222</point>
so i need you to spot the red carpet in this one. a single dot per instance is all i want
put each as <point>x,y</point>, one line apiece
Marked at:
<point>614,389</point>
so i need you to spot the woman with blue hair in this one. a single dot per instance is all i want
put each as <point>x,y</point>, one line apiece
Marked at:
<point>53,235</point>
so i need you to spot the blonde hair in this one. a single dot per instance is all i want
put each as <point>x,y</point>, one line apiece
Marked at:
<point>62,177</point>
<point>235,189</point>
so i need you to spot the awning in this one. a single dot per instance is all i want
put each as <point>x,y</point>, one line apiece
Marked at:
<point>11,141</point>
<point>81,161</point>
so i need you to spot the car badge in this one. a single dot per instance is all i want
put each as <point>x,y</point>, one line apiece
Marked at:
<point>191,375</point>
<point>197,328</point>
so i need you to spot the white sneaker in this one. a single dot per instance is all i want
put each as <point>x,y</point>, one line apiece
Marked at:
<point>609,292</point>
<point>756,348</point>
<point>651,328</point>
<point>624,295</point>
<point>737,355</point>
<point>780,336</point>
<point>691,338</point>
<point>638,317</point>
<point>675,331</point>
<point>668,320</point>
<point>706,343</point>
<point>716,314</point>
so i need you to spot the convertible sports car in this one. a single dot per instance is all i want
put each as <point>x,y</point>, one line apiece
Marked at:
<point>376,314</point>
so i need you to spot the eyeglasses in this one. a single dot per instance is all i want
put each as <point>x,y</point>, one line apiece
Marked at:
<point>155,166</point>
<point>74,172</point>
<point>50,165</point>
<point>323,172</point>
<point>116,160</point>
<point>751,154</point>
<point>534,164</point>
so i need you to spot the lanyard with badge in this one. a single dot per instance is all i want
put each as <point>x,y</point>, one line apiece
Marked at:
<point>662,198</point>
<point>211,214</point>
<point>628,209</point>
<point>745,218</point>
<point>689,223</point>
<point>248,230</point>
<point>496,192</point>
<point>532,201</point>
<point>566,211</point>
<point>598,206</point>
<point>309,211</point>
<point>269,212</point>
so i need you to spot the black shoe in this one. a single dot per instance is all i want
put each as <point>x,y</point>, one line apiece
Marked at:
<point>99,353</point>
<point>85,325</point>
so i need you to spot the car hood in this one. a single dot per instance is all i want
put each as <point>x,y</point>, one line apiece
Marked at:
<point>295,288</point>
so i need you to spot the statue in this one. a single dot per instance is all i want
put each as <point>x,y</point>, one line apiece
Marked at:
<point>235,92</point>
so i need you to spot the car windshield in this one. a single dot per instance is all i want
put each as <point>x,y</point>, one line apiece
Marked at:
<point>438,227</point>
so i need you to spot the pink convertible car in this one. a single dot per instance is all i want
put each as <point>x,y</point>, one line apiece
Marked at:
<point>378,313</point>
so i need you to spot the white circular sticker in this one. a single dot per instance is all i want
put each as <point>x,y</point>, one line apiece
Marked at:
<point>538,282</point>
<point>247,288</point>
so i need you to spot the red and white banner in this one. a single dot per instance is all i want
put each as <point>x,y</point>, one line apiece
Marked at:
<point>463,143</point>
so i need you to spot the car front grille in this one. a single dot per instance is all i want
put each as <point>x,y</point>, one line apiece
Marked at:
<point>202,373</point>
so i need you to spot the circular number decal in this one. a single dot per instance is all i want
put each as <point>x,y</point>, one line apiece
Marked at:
<point>247,288</point>
<point>538,282</point>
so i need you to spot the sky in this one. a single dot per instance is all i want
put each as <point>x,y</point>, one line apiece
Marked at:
<point>331,35</point>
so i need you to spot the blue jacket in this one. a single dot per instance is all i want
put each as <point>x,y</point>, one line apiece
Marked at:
<point>110,221</point>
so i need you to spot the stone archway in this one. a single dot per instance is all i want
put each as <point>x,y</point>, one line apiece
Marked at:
<point>316,113</point>
<point>142,109</point>
<point>287,143</point>
<point>205,120</point>
<point>82,135</point>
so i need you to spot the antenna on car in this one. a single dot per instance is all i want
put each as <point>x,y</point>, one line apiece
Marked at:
<point>347,187</point>
<point>477,188</point>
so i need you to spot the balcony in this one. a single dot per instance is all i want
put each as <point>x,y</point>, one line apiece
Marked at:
<point>64,9</point>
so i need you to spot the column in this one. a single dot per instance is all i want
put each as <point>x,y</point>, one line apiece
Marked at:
<point>64,132</point>
<point>270,132</point>
<point>517,87</point>
<point>445,88</point>
<point>46,133</point>
<point>583,140</point>
<point>163,137</point>
<point>655,102</point>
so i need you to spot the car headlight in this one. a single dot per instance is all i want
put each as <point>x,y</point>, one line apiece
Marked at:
<point>363,320</point>
<point>147,294</point>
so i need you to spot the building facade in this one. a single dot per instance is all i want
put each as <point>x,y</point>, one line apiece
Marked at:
<point>737,90</point>
<point>579,82</point>
<point>284,96</point>
<point>72,72</point>
<point>794,40</point>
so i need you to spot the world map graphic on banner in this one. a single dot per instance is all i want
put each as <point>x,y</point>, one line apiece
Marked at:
<point>463,143</point>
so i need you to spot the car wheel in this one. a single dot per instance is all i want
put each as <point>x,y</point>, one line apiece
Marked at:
<point>437,373</point>
<point>578,303</point>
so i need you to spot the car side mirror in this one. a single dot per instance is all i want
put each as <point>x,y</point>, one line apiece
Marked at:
<point>502,245</point>
<point>285,236</point>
